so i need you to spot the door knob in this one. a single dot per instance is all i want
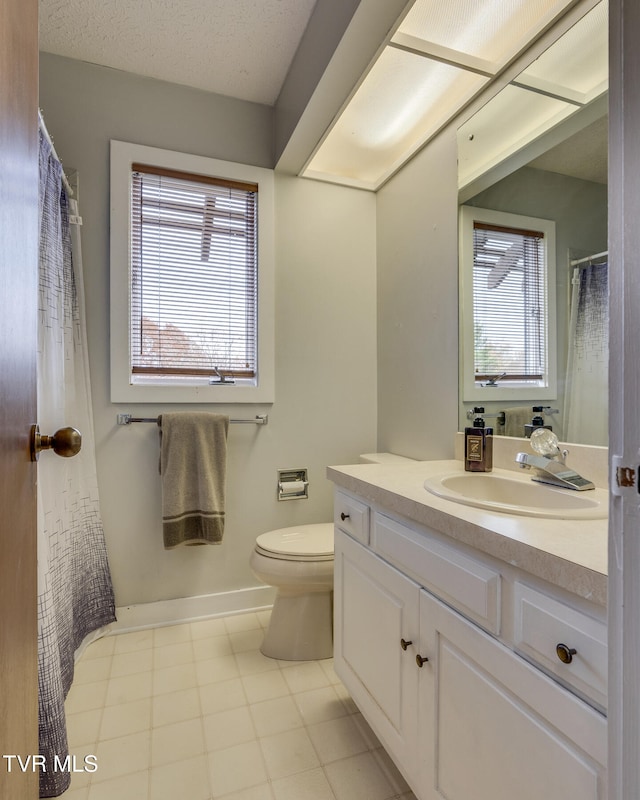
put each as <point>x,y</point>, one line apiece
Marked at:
<point>65,442</point>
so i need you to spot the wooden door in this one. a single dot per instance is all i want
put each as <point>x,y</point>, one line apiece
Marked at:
<point>18,319</point>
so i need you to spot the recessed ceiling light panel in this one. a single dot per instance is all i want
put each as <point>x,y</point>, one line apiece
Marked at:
<point>403,100</point>
<point>578,62</point>
<point>494,30</point>
<point>514,118</point>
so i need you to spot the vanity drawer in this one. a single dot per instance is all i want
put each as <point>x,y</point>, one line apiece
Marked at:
<point>351,516</point>
<point>542,623</point>
<point>460,581</point>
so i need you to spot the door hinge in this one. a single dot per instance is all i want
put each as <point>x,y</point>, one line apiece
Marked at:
<point>625,477</point>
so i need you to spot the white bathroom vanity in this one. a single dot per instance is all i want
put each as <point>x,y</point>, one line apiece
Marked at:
<point>474,643</point>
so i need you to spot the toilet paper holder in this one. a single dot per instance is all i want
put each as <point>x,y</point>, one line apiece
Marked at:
<point>293,484</point>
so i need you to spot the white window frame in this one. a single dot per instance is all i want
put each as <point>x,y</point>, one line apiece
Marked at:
<point>472,391</point>
<point>187,390</point>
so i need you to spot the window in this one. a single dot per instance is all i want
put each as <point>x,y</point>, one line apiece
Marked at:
<point>193,275</point>
<point>508,309</point>
<point>192,264</point>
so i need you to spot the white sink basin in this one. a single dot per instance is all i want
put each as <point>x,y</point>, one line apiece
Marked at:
<point>502,491</point>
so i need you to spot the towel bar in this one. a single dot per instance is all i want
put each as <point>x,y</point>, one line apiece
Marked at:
<point>127,419</point>
<point>501,417</point>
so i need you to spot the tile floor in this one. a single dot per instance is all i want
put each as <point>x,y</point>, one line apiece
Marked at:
<point>196,712</point>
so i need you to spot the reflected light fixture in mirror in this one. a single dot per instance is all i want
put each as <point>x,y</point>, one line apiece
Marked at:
<point>440,56</point>
<point>570,76</point>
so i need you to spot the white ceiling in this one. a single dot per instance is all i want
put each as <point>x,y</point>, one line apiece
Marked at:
<point>584,155</point>
<point>244,49</point>
<point>238,48</point>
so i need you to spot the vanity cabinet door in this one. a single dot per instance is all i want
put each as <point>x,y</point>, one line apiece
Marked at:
<point>375,610</point>
<point>493,727</point>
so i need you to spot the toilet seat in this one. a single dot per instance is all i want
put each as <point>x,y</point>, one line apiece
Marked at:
<point>300,543</point>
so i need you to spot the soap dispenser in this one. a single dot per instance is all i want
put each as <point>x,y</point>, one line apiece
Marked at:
<point>478,445</point>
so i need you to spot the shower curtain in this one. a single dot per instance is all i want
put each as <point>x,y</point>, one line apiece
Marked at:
<point>75,595</point>
<point>585,411</point>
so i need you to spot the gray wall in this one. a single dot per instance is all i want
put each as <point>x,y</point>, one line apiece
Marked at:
<point>418,305</point>
<point>325,408</point>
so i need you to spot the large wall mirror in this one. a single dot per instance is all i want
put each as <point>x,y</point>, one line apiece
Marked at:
<point>537,152</point>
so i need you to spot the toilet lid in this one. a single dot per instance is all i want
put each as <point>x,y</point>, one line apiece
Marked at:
<point>301,540</point>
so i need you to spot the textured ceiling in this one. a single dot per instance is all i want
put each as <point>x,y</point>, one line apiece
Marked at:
<point>584,155</point>
<point>238,48</point>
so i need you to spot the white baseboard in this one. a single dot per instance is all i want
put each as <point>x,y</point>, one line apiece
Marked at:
<point>90,637</point>
<point>188,609</point>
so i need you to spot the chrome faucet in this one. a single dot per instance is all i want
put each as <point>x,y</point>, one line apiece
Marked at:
<point>548,465</point>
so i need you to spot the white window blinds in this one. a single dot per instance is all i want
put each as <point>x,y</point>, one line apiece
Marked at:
<point>509,304</point>
<point>193,275</point>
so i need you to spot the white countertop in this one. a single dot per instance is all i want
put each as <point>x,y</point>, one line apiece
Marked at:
<point>571,554</point>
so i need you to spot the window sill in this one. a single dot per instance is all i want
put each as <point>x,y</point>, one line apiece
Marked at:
<point>192,393</point>
<point>187,382</point>
<point>485,394</point>
<point>167,390</point>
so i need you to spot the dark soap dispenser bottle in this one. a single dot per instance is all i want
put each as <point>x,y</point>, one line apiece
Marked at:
<point>478,445</point>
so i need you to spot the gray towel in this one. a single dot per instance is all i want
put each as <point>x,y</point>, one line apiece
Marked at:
<point>193,455</point>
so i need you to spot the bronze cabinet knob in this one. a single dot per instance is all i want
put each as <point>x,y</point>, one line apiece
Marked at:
<point>564,653</point>
<point>404,643</point>
<point>420,660</point>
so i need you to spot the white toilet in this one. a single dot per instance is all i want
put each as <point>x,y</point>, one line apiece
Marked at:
<point>298,561</point>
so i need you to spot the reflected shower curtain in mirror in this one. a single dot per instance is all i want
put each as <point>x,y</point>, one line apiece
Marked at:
<point>75,595</point>
<point>585,411</point>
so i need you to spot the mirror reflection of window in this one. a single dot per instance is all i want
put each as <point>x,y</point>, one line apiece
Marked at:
<point>509,304</point>
<point>507,271</point>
